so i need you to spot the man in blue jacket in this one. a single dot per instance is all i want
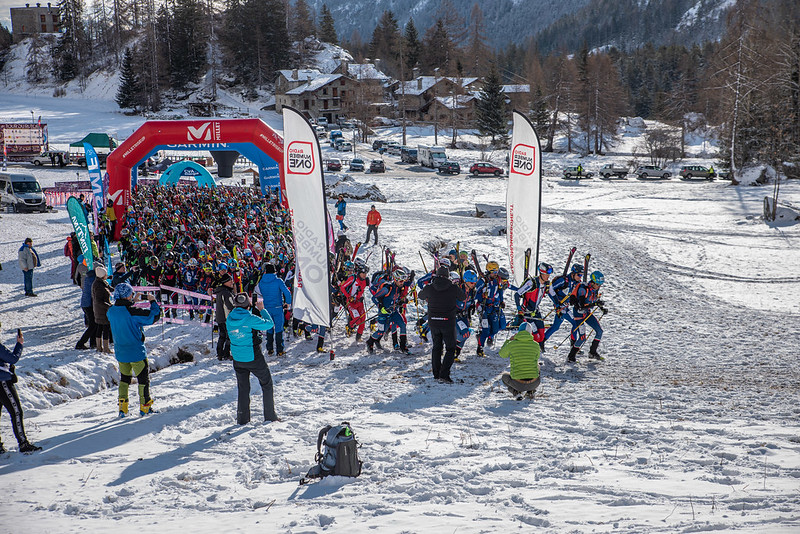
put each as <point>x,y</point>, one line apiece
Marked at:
<point>8,394</point>
<point>243,329</point>
<point>126,328</point>
<point>272,291</point>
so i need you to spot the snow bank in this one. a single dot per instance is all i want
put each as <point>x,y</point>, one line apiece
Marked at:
<point>347,186</point>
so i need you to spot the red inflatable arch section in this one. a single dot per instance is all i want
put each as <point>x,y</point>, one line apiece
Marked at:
<point>210,133</point>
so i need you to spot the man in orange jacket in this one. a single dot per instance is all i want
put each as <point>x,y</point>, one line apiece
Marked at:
<point>373,220</point>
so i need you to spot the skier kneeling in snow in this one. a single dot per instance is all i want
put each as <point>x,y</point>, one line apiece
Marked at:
<point>126,328</point>
<point>524,353</point>
<point>243,329</point>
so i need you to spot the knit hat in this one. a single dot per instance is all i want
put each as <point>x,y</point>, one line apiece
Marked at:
<point>100,272</point>
<point>526,327</point>
<point>241,300</point>
<point>123,291</point>
<point>443,271</point>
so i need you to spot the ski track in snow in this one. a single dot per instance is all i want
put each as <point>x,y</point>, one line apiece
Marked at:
<point>689,425</point>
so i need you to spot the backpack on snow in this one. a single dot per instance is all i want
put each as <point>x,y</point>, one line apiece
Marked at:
<point>339,456</point>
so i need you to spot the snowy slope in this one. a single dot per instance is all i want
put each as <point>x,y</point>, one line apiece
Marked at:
<point>690,425</point>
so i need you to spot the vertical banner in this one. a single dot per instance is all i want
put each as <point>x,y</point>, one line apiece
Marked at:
<point>523,197</point>
<point>81,226</point>
<point>269,178</point>
<point>96,177</point>
<point>305,193</point>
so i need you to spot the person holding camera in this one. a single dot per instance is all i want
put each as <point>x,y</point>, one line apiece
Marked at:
<point>8,394</point>
<point>126,328</point>
<point>243,329</point>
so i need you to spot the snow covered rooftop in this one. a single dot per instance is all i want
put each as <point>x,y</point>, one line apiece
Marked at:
<point>522,88</point>
<point>455,102</point>
<point>365,71</point>
<point>300,75</point>
<point>314,84</point>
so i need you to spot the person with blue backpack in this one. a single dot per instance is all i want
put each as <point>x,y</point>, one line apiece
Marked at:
<point>272,291</point>
<point>341,211</point>
<point>585,301</point>
<point>560,290</point>
<point>387,295</point>
<point>244,330</point>
<point>490,302</point>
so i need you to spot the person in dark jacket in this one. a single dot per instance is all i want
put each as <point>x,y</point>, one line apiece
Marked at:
<point>101,302</point>
<point>126,326</point>
<point>87,281</point>
<point>28,261</point>
<point>8,394</point>
<point>442,296</point>
<point>243,328</point>
<point>120,275</point>
<point>223,294</point>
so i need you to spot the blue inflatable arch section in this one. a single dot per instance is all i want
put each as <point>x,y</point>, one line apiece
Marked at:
<point>187,169</point>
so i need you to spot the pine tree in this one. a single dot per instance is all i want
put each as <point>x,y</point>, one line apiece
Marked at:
<point>301,23</point>
<point>187,39</point>
<point>327,29</point>
<point>386,42</point>
<point>437,49</point>
<point>539,115</point>
<point>477,52</point>
<point>490,108</point>
<point>413,48</point>
<point>129,93</point>
<point>73,46</point>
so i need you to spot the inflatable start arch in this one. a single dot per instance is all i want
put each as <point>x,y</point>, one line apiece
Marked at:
<point>250,137</point>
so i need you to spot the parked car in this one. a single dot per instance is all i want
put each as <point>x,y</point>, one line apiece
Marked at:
<point>51,157</point>
<point>696,171</point>
<point>334,164</point>
<point>723,173</point>
<point>338,141</point>
<point>357,164</point>
<point>21,192</point>
<point>344,146</point>
<point>377,165</point>
<point>408,154</point>
<point>321,132</point>
<point>322,121</point>
<point>393,148</point>
<point>651,171</point>
<point>450,167</point>
<point>101,157</point>
<point>577,173</point>
<point>610,170</point>
<point>377,144</point>
<point>484,167</point>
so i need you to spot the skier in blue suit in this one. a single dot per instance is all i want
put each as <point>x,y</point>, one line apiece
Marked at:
<point>275,296</point>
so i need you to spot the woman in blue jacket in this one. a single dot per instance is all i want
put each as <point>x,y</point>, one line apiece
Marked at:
<point>126,327</point>
<point>245,339</point>
<point>341,211</point>
<point>8,394</point>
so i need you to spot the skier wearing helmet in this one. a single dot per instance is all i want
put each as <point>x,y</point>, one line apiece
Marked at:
<point>560,290</point>
<point>389,301</point>
<point>532,292</point>
<point>353,290</point>
<point>586,298</point>
<point>490,301</point>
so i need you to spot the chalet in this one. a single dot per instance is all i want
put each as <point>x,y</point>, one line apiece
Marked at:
<point>518,96</point>
<point>325,95</point>
<point>458,109</point>
<point>416,96</point>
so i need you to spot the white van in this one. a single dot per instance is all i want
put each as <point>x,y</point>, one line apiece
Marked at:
<point>22,192</point>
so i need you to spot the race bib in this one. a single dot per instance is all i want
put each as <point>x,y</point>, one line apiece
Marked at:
<point>484,323</point>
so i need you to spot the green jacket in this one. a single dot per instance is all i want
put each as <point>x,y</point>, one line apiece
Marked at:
<point>524,354</point>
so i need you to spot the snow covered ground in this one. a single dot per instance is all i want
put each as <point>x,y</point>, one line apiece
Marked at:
<point>690,425</point>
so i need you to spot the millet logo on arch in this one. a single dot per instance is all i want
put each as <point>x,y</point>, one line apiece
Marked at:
<point>523,159</point>
<point>300,157</point>
<point>208,131</point>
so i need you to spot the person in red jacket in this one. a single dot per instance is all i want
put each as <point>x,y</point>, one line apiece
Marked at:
<point>373,220</point>
<point>353,289</point>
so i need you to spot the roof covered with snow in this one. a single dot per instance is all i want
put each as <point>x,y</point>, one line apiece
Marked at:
<point>521,88</point>
<point>365,71</point>
<point>455,102</point>
<point>300,75</point>
<point>314,84</point>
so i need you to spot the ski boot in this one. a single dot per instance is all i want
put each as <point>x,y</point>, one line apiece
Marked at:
<point>358,338</point>
<point>146,408</point>
<point>27,447</point>
<point>307,334</point>
<point>370,345</point>
<point>281,353</point>
<point>320,341</point>
<point>404,345</point>
<point>2,449</point>
<point>572,354</point>
<point>123,407</point>
<point>457,359</point>
<point>348,331</point>
<point>480,352</point>
<point>270,352</point>
<point>593,354</point>
<point>541,347</point>
<point>395,343</point>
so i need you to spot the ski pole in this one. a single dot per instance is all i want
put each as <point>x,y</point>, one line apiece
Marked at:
<point>574,328</point>
<point>423,261</point>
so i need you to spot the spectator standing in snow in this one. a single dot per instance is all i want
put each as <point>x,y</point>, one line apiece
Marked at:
<point>87,280</point>
<point>243,328</point>
<point>276,298</point>
<point>101,302</point>
<point>224,297</point>
<point>341,211</point>
<point>373,220</point>
<point>8,394</point>
<point>126,326</point>
<point>28,261</point>
<point>443,297</point>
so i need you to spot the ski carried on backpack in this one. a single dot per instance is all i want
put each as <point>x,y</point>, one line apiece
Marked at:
<point>475,261</point>
<point>569,260</point>
<point>586,267</point>
<point>527,263</point>
<point>355,250</point>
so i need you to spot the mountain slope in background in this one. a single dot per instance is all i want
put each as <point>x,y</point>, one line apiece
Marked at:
<point>555,24</point>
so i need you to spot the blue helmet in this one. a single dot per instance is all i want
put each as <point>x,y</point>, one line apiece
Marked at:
<point>577,269</point>
<point>471,277</point>
<point>597,278</point>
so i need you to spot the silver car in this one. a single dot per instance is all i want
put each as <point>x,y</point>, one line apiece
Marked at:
<point>651,171</point>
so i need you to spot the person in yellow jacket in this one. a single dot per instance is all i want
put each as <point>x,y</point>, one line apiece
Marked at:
<point>524,354</point>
